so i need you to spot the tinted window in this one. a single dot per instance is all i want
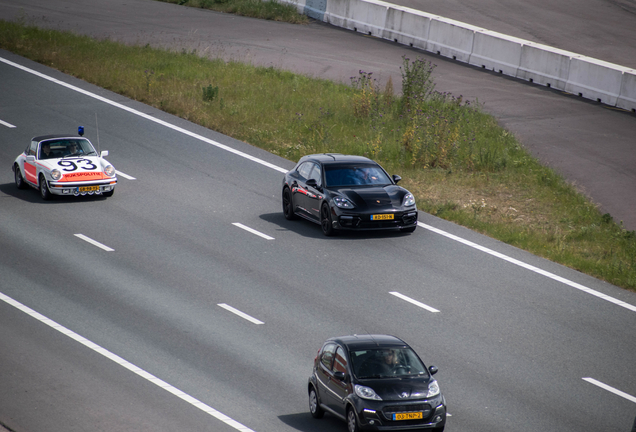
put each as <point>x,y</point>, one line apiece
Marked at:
<point>352,175</point>
<point>385,363</point>
<point>315,174</point>
<point>340,362</point>
<point>327,355</point>
<point>305,169</point>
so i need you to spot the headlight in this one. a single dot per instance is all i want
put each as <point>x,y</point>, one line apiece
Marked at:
<point>343,202</point>
<point>409,200</point>
<point>110,171</point>
<point>56,174</point>
<point>366,392</point>
<point>433,389</point>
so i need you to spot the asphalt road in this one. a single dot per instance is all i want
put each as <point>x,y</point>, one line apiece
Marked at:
<point>590,144</point>
<point>513,345</point>
<point>513,342</point>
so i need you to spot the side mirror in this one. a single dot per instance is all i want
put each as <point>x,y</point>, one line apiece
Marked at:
<point>340,375</point>
<point>104,153</point>
<point>433,370</point>
<point>396,178</point>
<point>312,182</point>
<point>30,158</point>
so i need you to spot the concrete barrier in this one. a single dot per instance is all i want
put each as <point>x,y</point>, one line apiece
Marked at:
<point>451,38</point>
<point>627,98</point>
<point>563,70</point>
<point>497,52</point>
<point>595,79</point>
<point>408,27</point>
<point>545,65</point>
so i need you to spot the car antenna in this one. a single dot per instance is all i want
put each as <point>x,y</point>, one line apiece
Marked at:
<point>97,127</point>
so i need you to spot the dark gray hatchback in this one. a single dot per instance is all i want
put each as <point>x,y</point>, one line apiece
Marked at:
<point>376,383</point>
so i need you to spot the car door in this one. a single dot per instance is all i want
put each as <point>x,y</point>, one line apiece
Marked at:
<point>340,383</point>
<point>29,169</point>
<point>313,197</point>
<point>324,374</point>
<point>299,188</point>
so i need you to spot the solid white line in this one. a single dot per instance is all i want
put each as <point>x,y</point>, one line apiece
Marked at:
<point>239,313</point>
<point>93,242</point>
<point>253,231</point>
<point>9,125</point>
<point>610,389</point>
<point>124,363</point>
<point>531,268</point>
<point>125,175</point>
<point>146,116</point>
<point>415,302</point>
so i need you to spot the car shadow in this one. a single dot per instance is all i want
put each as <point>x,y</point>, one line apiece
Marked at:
<point>304,422</point>
<point>32,195</point>
<point>313,230</point>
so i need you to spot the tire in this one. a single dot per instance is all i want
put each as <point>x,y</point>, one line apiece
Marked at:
<point>288,206</point>
<point>19,180</point>
<point>108,194</point>
<point>352,421</point>
<point>314,407</point>
<point>45,193</point>
<point>325,221</point>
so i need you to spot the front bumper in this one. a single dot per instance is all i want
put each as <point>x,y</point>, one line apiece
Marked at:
<point>355,221</point>
<point>76,188</point>
<point>377,416</point>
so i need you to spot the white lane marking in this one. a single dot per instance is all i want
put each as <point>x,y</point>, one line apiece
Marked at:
<point>125,175</point>
<point>124,363</point>
<point>610,389</point>
<point>146,116</point>
<point>283,170</point>
<point>415,302</point>
<point>531,268</point>
<point>94,242</point>
<point>241,314</point>
<point>9,125</point>
<point>253,231</point>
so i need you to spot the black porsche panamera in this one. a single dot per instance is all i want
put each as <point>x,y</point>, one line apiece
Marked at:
<point>344,192</point>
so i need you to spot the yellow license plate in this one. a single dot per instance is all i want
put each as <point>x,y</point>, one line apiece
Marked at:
<point>408,416</point>
<point>88,188</point>
<point>382,217</point>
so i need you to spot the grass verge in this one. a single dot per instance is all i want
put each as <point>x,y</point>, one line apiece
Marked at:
<point>459,163</point>
<point>268,10</point>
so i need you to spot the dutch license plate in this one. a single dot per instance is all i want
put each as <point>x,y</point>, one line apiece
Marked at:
<point>382,217</point>
<point>408,416</point>
<point>88,188</point>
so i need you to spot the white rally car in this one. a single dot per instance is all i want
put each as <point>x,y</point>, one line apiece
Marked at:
<point>64,165</point>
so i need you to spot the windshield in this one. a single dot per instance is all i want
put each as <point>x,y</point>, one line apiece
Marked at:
<point>351,175</point>
<point>66,147</point>
<point>387,363</point>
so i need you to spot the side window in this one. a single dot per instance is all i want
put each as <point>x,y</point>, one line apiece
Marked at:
<point>33,148</point>
<point>305,169</point>
<point>315,174</point>
<point>327,355</point>
<point>340,362</point>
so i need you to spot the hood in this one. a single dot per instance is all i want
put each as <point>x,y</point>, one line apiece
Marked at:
<point>77,168</point>
<point>375,198</point>
<point>399,389</point>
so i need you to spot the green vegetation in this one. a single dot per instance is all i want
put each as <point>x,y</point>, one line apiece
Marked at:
<point>457,161</point>
<point>269,10</point>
